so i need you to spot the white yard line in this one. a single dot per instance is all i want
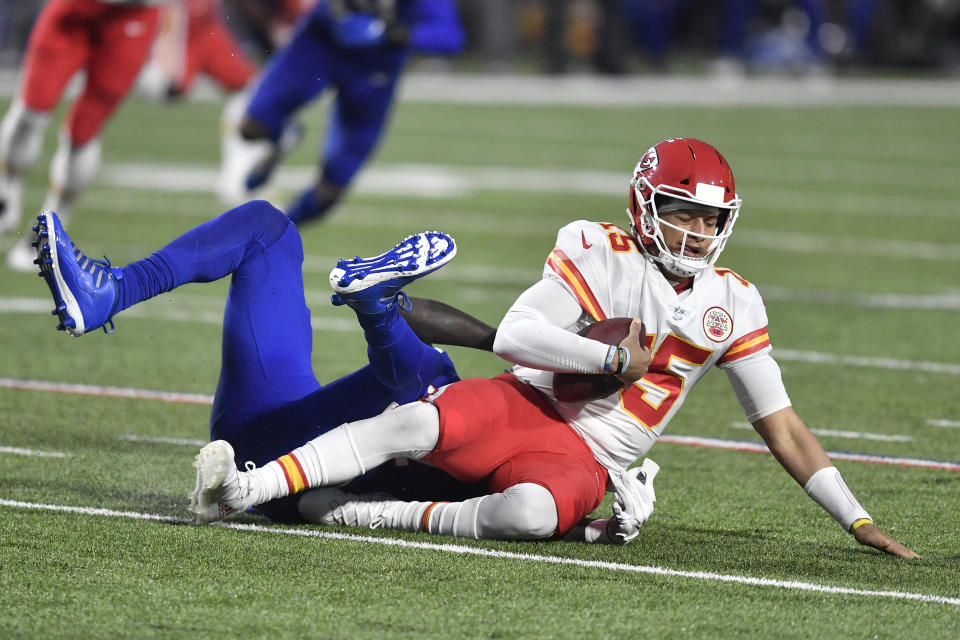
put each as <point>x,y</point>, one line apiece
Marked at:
<point>464,550</point>
<point>447,182</point>
<point>945,301</point>
<point>192,312</point>
<point>867,361</point>
<point>945,424</point>
<point>196,398</point>
<point>837,433</point>
<point>17,451</point>
<point>185,442</point>
<point>19,305</point>
<point>107,392</point>
<point>756,447</point>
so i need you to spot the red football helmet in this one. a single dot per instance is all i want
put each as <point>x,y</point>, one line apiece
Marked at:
<point>682,173</point>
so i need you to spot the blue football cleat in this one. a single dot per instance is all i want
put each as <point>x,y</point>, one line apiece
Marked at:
<point>84,290</point>
<point>371,285</point>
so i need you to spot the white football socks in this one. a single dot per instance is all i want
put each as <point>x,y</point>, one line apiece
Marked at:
<point>349,451</point>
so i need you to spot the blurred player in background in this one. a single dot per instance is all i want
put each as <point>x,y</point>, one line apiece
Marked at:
<point>358,48</point>
<point>547,461</point>
<point>193,39</point>
<point>109,40</point>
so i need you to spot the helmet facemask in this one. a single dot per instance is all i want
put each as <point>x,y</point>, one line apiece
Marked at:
<point>651,201</point>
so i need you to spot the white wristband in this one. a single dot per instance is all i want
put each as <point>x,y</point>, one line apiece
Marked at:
<point>827,488</point>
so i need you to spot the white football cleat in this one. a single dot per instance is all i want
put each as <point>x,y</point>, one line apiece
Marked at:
<point>221,491</point>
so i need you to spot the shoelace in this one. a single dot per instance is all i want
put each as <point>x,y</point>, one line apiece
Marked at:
<point>95,268</point>
<point>92,266</point>
<point>400,299</point>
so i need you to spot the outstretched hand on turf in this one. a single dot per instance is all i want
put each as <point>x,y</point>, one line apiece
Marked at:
<point>870,536</point>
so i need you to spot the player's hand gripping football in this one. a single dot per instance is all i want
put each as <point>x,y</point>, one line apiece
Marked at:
<point>869,535</point>
<point>632,502</point>
<point>640,356</point>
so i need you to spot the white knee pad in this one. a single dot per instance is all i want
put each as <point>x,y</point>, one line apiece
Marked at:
<point>534,509</point>
<point>74,168</point>
<point>409,431</point>
<point>21,137</point>
<point>523,511</point>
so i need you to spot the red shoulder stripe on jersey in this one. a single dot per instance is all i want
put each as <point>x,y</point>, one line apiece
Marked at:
<point>746,345</point>
<point>564,267</point>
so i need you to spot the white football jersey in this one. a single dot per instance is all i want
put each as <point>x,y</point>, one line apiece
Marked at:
<point>717,321</point>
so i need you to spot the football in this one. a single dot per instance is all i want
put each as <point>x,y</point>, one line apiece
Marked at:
<point>581,387</point>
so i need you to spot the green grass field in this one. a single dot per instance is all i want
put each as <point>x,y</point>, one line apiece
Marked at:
<point>849,228</point>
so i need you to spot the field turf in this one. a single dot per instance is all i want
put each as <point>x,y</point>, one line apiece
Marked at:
<point>849,228</point>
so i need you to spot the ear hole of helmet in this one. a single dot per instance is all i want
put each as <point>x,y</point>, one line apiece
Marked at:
<point>648,227</point>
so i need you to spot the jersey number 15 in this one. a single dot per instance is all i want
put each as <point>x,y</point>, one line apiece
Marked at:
<point>650,399</point>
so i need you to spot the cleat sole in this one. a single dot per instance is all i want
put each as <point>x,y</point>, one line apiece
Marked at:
<point>407,262</point>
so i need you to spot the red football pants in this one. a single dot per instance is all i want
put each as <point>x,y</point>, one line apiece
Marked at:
<point>111,42</point>
<point>508,432</point>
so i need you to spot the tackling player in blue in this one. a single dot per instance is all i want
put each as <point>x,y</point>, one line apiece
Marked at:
<point>356,47</point>
<point>268,398</point>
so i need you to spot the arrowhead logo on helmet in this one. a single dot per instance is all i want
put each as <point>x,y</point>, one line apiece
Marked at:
<point>649,161</point>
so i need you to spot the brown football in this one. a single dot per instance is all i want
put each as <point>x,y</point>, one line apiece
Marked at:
<point>581,387</point>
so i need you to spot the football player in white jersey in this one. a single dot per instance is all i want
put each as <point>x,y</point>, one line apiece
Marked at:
<point>549,462</point>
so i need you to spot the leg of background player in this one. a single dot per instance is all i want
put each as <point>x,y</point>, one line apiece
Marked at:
<point>295,75</point>
<point>121,44</point>
<point>357,122</point>
<point>21,140</point>
<point>57,49</point>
